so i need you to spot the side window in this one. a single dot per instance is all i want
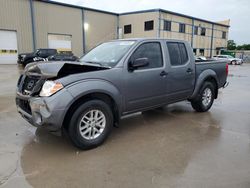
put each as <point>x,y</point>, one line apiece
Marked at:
<point>203,31</point>
<point>149,25</point>
<point>184,55</point>
<point>49,52</point>
<point>177,53</point>
<point>202,52</point>
<point>167,25</point>
<point>182,28</point>
<point>42,52</point>
<point>150,50</point>
<point>127,29</point>
<point>224,34</point>
<point>196,30</point>
<point>194,51</point>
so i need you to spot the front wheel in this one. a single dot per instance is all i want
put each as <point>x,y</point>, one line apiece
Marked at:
<point>205,98</point>
<point>90,124</point>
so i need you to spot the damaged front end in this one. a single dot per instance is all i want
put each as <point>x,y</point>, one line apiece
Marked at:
<point>46,110</point>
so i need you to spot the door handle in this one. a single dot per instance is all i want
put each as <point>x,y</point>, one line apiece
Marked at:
<point>189,70</point>
<point>163,73</point>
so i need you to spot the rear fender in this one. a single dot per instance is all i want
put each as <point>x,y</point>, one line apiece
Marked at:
<point>205,75</point>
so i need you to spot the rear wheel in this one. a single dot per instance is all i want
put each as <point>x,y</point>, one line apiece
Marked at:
<point>205,98</point>
<point>90,124</point>
<point>233,62</point>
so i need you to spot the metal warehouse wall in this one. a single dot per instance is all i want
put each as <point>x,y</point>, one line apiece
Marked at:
<point>101,27</point>
<point>15,16</point>
<point>137,21</point>
<point>57,19</point>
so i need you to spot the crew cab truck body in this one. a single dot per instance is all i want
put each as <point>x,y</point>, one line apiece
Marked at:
<point>26,58</point>
<point>116,78</point>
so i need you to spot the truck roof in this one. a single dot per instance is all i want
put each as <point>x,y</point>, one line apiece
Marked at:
<point>148,39</point>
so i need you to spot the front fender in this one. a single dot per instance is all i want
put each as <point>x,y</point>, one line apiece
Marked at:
<point>209,73</point>
<point>85,87</point>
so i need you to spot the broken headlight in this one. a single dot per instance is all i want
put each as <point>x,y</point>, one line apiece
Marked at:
<point>49,88</point>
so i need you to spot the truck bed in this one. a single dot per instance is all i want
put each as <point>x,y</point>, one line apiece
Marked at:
<point>217,66</point>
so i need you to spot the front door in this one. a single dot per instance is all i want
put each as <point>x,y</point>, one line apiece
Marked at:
<point>146,86</point>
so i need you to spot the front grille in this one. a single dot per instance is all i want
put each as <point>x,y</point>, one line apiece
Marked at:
<point>29,84</point>
<point>24,105</point>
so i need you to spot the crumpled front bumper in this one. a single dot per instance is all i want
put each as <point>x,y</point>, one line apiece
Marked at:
<point>46,112</point>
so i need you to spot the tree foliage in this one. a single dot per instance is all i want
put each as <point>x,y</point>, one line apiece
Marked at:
<point>231,45</point>
<point>243,47</point>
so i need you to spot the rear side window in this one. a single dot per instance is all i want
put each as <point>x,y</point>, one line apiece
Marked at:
<point>152,51</point>
<point>177,53</point>
<point>184,55</point>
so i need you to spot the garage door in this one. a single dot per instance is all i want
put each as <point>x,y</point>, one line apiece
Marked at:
<point>8,47</point>
<point>60,42</point>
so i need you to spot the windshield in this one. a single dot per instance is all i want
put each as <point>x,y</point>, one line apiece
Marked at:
<point>108,54</point>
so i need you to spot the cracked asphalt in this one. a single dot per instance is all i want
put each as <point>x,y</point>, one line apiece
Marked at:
<point>169,147</point>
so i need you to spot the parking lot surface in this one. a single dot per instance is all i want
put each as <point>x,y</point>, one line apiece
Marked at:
<point>170,147</point>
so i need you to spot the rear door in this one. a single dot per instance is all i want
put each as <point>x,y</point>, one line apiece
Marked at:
<point>146,86</point>
<point>181,73</point>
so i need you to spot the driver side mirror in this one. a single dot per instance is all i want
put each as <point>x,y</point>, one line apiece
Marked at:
<point>137,63</point>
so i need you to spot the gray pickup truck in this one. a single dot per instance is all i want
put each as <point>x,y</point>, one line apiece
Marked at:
<point>87,98</point>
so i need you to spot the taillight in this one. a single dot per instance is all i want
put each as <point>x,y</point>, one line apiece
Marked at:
<point>227,69</point>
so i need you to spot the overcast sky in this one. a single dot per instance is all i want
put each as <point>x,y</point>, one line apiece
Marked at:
<point>238,11</point>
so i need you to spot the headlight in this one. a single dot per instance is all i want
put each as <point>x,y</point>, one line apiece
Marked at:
<point>49,88</point>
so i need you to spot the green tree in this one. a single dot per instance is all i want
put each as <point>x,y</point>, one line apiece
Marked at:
<point>231,45</point>
<point>243,47</point>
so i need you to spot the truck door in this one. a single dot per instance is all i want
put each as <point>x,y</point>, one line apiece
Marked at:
<point>145,86</point>
<point>181,73</point>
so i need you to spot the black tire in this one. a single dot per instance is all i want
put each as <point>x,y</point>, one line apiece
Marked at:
<point>74,132</point>
<point>198,104</point>
<point>233,62</point>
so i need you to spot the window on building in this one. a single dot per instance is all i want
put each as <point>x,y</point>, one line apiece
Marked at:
<point>203,31</point>
<point>150,50</point>
<point>202,52</point>
<point>167,25</point>
<point>149,25</point>
<point>194,51</point>
<point>224,34</point>
<point>182,28</point>
<point>127,29</point>
<point>178,53</point>
<point>196,30</point>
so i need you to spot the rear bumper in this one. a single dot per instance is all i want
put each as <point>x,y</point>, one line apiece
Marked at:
<point>225,84</point>
<point>45,112</point>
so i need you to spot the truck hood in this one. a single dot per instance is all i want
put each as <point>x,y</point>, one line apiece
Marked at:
<point>60,69</point>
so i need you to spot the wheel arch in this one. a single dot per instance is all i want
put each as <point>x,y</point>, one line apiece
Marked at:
<point>206,76</point>
<point>92,96</point>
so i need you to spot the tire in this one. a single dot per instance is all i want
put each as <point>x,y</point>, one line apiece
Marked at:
<point>233,62</point>
<point>95,134</point>
<point>202,103</point>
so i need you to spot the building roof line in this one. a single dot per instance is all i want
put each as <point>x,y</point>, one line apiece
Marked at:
<point>174,13</point>
<point>76,6</point>
<point>133,12</point>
